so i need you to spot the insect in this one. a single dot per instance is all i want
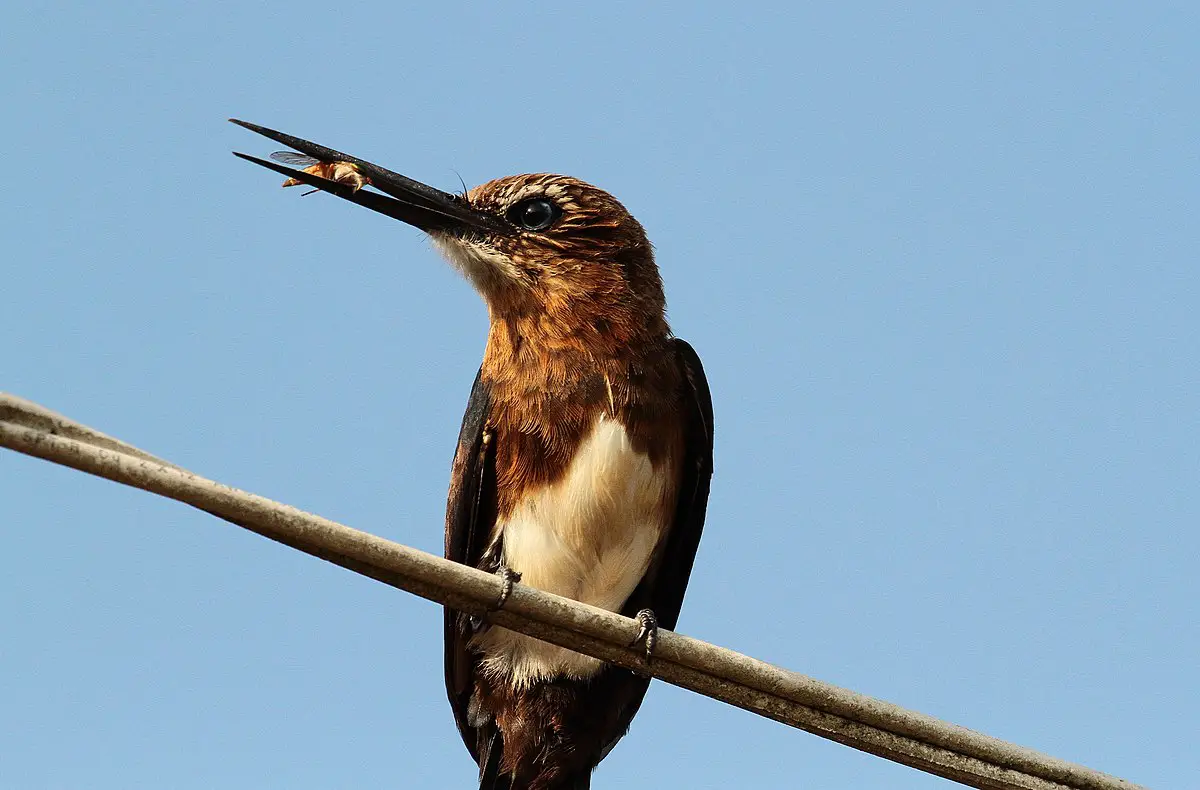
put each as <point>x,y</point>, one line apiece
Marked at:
<point>341,172</point>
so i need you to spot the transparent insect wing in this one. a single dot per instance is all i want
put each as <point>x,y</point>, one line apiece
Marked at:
<point>293,158</point>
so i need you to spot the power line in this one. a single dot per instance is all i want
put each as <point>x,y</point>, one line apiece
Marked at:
<point>864,723</point>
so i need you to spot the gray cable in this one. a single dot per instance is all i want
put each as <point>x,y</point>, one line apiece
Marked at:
<point>862,722</point>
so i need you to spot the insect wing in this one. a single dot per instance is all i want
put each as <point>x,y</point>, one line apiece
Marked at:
<point>293,158</point>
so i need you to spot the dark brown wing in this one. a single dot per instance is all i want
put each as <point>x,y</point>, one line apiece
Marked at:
<point>470,514</point>
<point>663,587</point>
<point>666,586</point>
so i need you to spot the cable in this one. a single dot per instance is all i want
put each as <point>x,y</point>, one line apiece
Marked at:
<point>864,723</point>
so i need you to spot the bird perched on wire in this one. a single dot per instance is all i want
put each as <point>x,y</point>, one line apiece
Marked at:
<point>583,462</point>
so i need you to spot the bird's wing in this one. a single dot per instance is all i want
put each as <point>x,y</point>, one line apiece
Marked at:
<point>470,513</point>
<point>662,590</point>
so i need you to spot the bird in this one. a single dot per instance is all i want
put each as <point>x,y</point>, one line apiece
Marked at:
<point>583,460</point>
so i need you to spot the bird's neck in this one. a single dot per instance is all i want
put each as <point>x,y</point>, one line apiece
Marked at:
<point>542,350</point>
<point>549,387</point>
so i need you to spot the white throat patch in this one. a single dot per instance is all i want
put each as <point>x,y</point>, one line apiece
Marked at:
<point>486,269</point>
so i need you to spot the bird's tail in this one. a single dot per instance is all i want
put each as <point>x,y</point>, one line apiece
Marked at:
<point>490,777</point>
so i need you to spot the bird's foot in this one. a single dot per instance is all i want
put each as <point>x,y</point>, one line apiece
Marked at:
<point>508,577</point>
<point>647,632</point>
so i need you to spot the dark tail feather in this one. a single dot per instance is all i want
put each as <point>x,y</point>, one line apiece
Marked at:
<point>491,751</point>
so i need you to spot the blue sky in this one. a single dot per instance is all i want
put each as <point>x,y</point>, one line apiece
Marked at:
<point>941,265</point>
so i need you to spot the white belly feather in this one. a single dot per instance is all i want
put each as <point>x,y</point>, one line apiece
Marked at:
<point>589,536</point>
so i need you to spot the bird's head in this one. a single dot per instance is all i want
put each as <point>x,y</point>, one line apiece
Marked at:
<point>554,244</point>
<point>550,251</point>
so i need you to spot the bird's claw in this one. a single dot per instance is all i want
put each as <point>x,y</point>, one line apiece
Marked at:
<point>508,577</point>
<point>647,632</point>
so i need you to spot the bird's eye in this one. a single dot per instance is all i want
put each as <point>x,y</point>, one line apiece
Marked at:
<point>534,214</point>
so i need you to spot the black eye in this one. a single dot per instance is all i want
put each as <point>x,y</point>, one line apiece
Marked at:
<point>534,214</point>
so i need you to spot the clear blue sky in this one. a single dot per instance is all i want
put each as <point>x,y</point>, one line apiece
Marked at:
<point>942,265</point>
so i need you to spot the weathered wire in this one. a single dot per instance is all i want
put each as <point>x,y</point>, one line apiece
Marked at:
<point>862,722</point>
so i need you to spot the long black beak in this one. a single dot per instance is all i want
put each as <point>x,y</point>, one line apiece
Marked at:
<point>411,201</point>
